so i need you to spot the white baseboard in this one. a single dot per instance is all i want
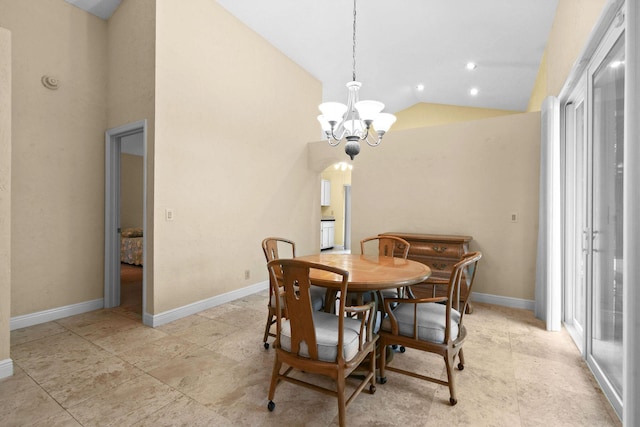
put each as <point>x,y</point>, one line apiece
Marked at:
<point>6,368</point>
<point>504,301</point>
<point>152,320</point>
<point>55,314</point>
<point>155,320</point>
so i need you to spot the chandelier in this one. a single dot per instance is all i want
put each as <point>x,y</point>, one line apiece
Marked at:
<point>353,121</point>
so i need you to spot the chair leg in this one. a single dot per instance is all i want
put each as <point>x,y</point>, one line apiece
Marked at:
<point>277,364</point>
<point>383,360</point>
<point>461,363</point>
<point>340,386</point>
<point>267,328</point>
<point>448,360</point>
<point>372,367</point>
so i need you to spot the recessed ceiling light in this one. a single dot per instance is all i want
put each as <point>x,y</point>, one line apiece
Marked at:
<point>420,87</point>
<point>473,91</point>
<point>471,65</point>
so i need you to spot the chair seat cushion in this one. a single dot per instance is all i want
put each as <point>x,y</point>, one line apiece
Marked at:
<point>431,321</point>
<point>317,298</point>
<point>326,327</point>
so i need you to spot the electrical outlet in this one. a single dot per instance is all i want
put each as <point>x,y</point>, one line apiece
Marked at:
<point>168,214</point>
<point>514,216</point>
<point>247,274</point>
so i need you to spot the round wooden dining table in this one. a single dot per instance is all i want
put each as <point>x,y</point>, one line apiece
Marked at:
<point>368,272</point>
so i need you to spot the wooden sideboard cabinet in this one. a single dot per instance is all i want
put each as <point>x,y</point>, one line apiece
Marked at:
<point>440,253</point>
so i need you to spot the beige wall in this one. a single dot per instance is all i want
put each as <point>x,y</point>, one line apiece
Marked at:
<point>338,179</point>
<point>233,116</point>
<point>571,28</point>
<point>572,25</point>
<point>425,114</point>
<point>131,190</point>
<point>539,91</point>
<point>5,191</point>
<point>465,179</point>
<point>131,98</point>
<point>57,154</point>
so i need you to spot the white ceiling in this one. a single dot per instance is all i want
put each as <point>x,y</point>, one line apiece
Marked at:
<point>403,43</point>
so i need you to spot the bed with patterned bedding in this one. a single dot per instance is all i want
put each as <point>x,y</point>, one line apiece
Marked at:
<point>131,246</point>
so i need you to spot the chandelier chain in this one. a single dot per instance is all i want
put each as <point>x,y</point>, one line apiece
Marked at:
<point>354,40</point>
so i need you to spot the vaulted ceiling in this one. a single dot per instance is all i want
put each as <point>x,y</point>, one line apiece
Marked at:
<point>403,44</point>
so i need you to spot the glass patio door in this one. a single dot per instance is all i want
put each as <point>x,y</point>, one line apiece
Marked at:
<point>605,349</point>
<point>593,212</point>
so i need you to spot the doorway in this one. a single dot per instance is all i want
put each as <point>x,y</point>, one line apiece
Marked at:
<point>338,209</point>
<point>128,141</point>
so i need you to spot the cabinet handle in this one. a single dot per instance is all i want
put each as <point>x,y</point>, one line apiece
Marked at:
<point>439,266</point>
<point>439,249</point>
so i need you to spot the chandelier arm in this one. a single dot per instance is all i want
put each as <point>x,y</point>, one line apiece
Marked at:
<point>372,143</point>
<point>337,140</point>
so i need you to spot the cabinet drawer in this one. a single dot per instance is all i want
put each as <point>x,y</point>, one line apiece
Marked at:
<point>438,266</point>
<point>436,249</point>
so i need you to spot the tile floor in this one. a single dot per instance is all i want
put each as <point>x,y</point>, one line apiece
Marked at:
<point>210,369</point>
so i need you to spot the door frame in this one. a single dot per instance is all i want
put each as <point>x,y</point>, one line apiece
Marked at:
<point>575,202</point>
<point>113,148</point>
<point>347,217</point>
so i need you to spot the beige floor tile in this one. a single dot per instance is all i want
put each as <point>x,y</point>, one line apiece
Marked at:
<point>206,333</point>
<point>484,399</point>
<point>182,324</point>
<point>125,404</point>
<point>97,324</point>
<point>184,372</point>
<point>78,386</point>
<point>63,419</point>
<point>210,378</point>
<point>543,406</point>
<point>184,412</point>
<point>150,355</point>
<point>246,345</point>
<point>24,403</point>
<point>59,354</point>
<point>32,333</point>
<point>238,315</point>
<point>122,341</point>
<point>107,328</point>
<point>557,374</point>
<point>546,345</point>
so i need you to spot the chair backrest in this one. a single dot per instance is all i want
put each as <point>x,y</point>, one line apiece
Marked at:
<point>296,282</point>
<point>270,247</point>
<point>462,277</point>
<point>387,246</point>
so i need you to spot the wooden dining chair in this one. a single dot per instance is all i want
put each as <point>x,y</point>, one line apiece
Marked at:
<point>433,325</point>
<point>317,342</point>
<point>272,247</point>
<point>386,246</point>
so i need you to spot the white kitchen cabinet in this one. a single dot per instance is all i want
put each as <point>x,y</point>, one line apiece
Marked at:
<point>325,192</point>
<point>327,234</point>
